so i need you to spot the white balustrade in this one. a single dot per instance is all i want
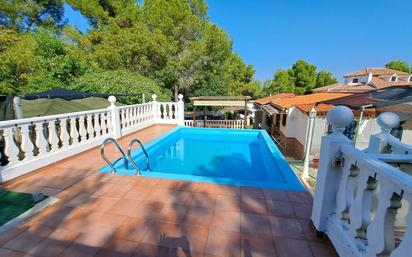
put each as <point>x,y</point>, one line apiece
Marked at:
<point>362,199</point>
<point>234,124</point>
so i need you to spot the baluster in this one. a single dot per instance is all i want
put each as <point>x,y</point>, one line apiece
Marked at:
<point>90,129</point>
<point>161,111</point>
<point>124,118</point>
<point>74,134</point>
<point>97,127</point>
<point>344,196</point>
<point>103,120</point>
<point>53,138</point>
<point>109,123</point>
<point>41,139</point>
<point>64,135</point>
<point>82,128</point>
<point>381,231</point>
<point>405,247</point>
<point>360,211</point>
<point>11,149</point>
<point>26,144</point>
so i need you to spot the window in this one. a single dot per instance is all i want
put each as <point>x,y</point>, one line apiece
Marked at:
<point>284,117</point>
<point>410,78</point>
<point>393,78</point>
<point>355,80</point>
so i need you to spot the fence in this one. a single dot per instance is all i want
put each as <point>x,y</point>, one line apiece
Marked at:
<point>29,144</point>
<point>362,198</point>
<point>234,124</point>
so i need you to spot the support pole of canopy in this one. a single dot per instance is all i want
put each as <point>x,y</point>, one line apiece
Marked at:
<point>194,116</point>
<point>308,145</point>
<point>245,116</point>
<point>17,106</point>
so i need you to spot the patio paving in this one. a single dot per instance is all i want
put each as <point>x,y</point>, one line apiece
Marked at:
<point>113,215</point>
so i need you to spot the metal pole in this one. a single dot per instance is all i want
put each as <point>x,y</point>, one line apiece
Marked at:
<point>308,146</point>
<point>245,116</point>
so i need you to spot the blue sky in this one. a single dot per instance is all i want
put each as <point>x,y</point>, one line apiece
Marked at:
<point>339,36</point>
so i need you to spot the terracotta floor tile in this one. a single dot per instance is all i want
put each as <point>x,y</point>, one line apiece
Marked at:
<point>206,188</point>
<point>226,190</point>
<point>162,234</point>
<point>103,204</point>
<point>309,230</point>
<point>117,190</point>
<point>275,195</point>
<point>133,229</point>
<point>28,239</point>
<point>227,221</point>
<point>252,192</point>
<point>262,246</point>
<point>280,208</point>
<point>176,213</point>
<point>223,243</point>
<point>203,200</point>
<point>55,243</point>
<point>148,182</point>
<point>255,225</point>
<point>299,197</point>
<point>147,210</point>
<point>86,245</point>
<point>199,216</point>
<point>10,234</point>
<point>117,248</point>
<point>179,198</point>
<point>253,205</point>
<point>173,252</point>
<point>148,250</point>
<point>302,210</point>
<point>125,207</point>
<point>83,200</point>
<point>10,253</point>
<point>292,247</point>
<point>286,227</point>
<point>159,195</point>
<point>227,203</point>
<point>321,250</point>
<point>137,193</point>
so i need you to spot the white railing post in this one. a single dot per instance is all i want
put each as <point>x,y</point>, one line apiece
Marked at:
<point>387,121</point>
<point>154,108</point>
<point>330,166</point>
<point>115,115</point>
<point>180,111</point>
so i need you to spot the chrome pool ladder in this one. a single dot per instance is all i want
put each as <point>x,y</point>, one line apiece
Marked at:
<point>129,152</point>
<point>125,162</point>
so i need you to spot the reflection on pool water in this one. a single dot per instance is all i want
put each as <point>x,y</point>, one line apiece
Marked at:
<point>227,156</point>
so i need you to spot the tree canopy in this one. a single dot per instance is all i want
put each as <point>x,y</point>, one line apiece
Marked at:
<point>301,78</point>
<point>154,46</point>
<point>399,65</point>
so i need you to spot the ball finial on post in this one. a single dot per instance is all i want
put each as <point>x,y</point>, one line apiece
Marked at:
<point>387,121</point>
<point>154,97</point>
<point>112,99</point>
<point>340,117</point>
<point>180,96</point>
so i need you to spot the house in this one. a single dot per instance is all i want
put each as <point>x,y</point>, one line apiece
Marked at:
<point>369,79</point>
<point>288,119</point>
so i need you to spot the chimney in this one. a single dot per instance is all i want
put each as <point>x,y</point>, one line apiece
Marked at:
<point>370,75</point>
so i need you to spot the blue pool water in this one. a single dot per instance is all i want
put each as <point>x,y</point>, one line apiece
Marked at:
<point>224,156</point>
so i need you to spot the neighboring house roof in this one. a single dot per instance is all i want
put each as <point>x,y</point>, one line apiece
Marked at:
<point>268,99</point>
<point>375,72</point>
<point>285,103</point>
<point>347,88</point>
<point>321,109</point>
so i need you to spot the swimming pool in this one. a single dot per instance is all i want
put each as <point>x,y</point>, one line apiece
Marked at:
<point>223,156</point>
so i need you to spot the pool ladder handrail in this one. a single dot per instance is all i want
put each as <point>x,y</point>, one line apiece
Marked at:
<point>110,139</point>
<point>129,154</point>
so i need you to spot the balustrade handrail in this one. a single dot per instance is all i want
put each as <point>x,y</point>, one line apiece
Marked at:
<point>387,171</point>
<point>14,122</point>
<point>397,145</point>
<point>135,105</point>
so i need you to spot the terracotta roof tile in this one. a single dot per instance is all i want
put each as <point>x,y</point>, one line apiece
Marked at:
<point>307,99</point>
<point>323,109</point>
<point>268,99</point>
<point>375,71</point>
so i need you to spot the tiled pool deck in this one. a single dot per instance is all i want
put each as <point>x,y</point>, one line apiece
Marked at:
<point>112,215</point>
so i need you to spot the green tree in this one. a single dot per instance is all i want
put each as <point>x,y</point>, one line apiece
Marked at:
<point>325,78</point>
<point>304,75</point>
<point>399,65</point>
<point>25,15</point>
<point>282,82</point>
